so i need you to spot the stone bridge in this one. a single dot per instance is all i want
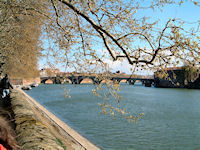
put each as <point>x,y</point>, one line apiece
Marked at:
<point>77,79</point>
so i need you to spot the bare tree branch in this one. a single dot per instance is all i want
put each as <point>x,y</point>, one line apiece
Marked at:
<point>97,28</point>
<point>137,34</point>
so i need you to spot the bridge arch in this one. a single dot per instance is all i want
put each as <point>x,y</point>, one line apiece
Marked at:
<point>107,81</point>
<point>47,81</point>
<point>66,80</point>
<point>123,81</point>
<point>86,81</point>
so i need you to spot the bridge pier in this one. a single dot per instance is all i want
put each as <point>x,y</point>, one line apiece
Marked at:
<point>56,81</point>
<point>75,81</point>
<point>116,81</point>
<point>147,83</point>
<point>96,81</point>
<point>43,81</point>
<point>131,81</point>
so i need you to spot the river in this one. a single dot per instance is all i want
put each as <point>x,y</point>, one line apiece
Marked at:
<point>171,118</point>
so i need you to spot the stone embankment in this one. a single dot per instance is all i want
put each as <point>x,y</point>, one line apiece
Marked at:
<point>38,129</point>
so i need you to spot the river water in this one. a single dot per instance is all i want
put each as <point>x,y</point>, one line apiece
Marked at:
<point>171,118</point>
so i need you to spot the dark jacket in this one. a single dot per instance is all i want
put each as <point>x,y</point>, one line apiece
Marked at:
<point>5,83</point>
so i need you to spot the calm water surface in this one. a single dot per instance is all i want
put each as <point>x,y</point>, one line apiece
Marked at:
<point>171,120</point>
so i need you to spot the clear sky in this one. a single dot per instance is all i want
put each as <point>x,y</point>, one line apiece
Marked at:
<point>187,11</point>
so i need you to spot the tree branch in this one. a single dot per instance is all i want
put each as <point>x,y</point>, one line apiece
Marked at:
<point>137,34</point>
<point>162,33</point>
<point>81,34</point>
<point>97,28</point>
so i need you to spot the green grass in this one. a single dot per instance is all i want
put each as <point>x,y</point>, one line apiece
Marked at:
<point>61,143</point>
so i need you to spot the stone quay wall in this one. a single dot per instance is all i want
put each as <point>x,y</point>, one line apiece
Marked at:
<point>27,81</point>
<point>38,129</point>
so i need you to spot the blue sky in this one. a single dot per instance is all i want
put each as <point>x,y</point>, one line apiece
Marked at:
<point>187,11</point>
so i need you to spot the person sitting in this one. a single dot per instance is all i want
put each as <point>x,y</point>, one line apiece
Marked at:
<point>7,139</point>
